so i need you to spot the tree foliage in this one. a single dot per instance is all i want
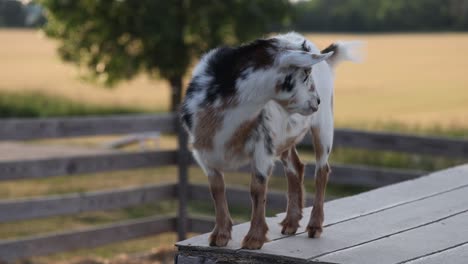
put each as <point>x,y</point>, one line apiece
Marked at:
<point>381,15</point>
<point>117,39</point>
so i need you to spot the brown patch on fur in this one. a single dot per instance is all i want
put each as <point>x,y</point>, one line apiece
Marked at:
<point>258,54</point>
<point>295,191</point>
<point>278,87</point>
<point>256,236</point>
<point>221,234</point>
<point>315,226</point>
<point>236,143</point>
<point>208,122</point>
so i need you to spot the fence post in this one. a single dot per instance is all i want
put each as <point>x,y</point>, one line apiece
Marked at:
<point>183,161</point>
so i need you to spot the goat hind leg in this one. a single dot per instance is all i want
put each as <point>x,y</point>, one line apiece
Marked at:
<point>221,233</point>
<point>322,146</point>
<point>294,170</point>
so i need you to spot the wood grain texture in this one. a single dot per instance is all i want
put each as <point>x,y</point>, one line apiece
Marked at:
<point>27,169</point>
<point>86,238</point>
<point>29,208</point>
<point>34,128</point>
<point>407,245</point>
<point>426,145</point>
<point>357,220</point>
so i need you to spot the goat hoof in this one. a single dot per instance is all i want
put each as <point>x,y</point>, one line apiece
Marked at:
<point>289,230</point>
<point>219,239</point>
<point>314,231</point>
<point>252,242</point>
<point>288,227</point>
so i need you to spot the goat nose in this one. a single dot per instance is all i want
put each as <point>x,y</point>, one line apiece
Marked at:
<point>318,101</point>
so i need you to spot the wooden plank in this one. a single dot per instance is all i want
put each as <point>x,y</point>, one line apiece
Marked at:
<point>183,163</point>
<point>86,238</point>
<point>27,169</point>
<point>426,145</point>
<point>37,207</point>
<point>33,128</point>
<point>456,255</point>
<point>370,228</point>
<point>341,210</point>
<point>407,245</point>
<point>240,196</point>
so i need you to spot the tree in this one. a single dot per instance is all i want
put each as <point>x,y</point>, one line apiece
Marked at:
<point>117,39</point>
<point>11,13</point>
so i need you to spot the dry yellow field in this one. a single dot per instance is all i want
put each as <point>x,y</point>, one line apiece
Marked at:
<point>415,79</point>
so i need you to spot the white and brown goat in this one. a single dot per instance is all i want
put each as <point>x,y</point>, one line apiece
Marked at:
<point>252,104</point>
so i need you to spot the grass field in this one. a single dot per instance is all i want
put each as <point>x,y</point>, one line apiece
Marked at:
<point>417,80</point>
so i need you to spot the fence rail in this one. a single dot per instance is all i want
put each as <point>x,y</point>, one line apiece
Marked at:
<point>35,128</point>
<point>38,207</point>
<point>40,168</point>
<point>183,190</point>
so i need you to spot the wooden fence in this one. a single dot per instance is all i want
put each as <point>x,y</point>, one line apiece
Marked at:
<point>183,190</point>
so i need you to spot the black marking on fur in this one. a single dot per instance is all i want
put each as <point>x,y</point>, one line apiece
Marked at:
<point>228,64</point>
<point>333,47</point>
<point>307,74</point>
<point>288,83</point>
<point>186,117</point>
<point>263,132</point>
<point>260,177</point>
<point>304,46</point>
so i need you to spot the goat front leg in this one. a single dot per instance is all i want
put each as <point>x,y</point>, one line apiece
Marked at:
<point>322,146</point>
<point>256,236</point>
<point>221,233</point>
<point>294,170</point>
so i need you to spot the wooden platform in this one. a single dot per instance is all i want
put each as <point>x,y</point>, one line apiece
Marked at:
<point>419,221</point>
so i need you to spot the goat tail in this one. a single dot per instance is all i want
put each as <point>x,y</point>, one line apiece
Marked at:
<point>345,51</point>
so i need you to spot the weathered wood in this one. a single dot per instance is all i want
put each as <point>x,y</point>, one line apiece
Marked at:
<point>435,146</point>
<point>37,207</point>
<point>240,196</point>
<point>344,236</point>
<point>455,254</point>
<point>26,169</point>
<point>405,246</point>
<point>33,128</point>
<point>183,163</point>
<point>87,238</point>
<point>372,202</point>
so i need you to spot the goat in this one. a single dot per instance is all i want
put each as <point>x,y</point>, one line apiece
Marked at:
<point>253,103</point>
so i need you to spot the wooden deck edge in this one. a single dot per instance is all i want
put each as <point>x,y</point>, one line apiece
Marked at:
<point>201,255</point>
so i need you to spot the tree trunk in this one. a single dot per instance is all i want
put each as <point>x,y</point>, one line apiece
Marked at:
<point>176,92</point>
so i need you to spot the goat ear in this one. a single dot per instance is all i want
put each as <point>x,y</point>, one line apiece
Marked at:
<point>301,59</point>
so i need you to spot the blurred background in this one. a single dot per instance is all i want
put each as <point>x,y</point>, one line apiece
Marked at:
<point>64,58</point>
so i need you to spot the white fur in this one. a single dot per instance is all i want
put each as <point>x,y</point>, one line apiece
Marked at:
<point>257,93</point>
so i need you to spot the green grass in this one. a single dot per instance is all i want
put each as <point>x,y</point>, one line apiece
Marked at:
<point>34,104</point>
